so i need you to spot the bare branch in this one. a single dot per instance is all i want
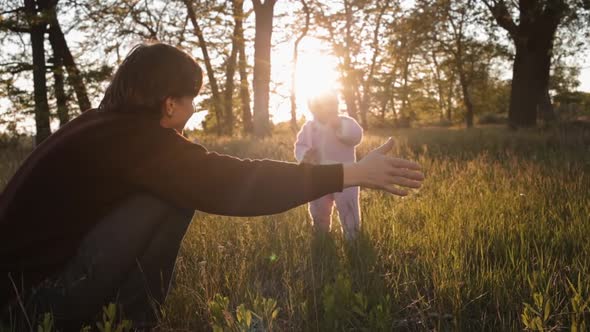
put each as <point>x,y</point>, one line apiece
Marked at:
<point>500,12</point>
<point>12,11</point>
<point>16,67</point>
<point>13,26</point>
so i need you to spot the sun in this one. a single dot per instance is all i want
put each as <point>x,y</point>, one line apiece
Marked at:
<point>316,73</point>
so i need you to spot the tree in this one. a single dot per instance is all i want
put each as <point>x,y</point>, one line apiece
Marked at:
<point>407,37</point>
<point>457,15</point>
<point>438,72</point>
<point>453,26</point>
<point>532,26</point>
<point>264,12</point>
<point>367,84</point>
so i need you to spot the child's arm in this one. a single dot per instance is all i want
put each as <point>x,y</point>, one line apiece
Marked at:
<point>350,132</point>
<point>304,142</point>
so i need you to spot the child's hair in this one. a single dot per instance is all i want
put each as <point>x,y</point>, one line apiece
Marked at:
<point>149,74</point>
<point>325,101</point>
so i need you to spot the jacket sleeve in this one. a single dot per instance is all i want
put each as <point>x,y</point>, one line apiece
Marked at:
<point>350,133</point>
<point>189,176</point>
<point>303,142</point>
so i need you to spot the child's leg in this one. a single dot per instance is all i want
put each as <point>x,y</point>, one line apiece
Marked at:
<point>321,212</point>
<point>347,203</point>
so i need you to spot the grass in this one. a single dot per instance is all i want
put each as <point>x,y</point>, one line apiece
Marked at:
<point>497,239</point>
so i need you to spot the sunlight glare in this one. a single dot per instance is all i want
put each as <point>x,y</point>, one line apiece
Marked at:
<point>317,71</point>
<point>316,74</point>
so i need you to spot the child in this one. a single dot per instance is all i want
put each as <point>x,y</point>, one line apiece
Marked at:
<point>331,138</point>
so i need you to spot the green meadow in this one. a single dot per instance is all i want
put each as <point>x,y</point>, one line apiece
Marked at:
<point>498,239</point>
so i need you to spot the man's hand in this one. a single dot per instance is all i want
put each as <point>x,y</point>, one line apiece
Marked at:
<point>311,156</point>
<point>379,171</point>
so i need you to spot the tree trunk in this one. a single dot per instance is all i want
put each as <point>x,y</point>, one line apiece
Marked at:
<point>450,96</point>
<point>74,75</point>
<point>439,85</point>
<point>248,127</point>
<point>61,50</point>
<point>348,79</point>
<point>385,98</point>
<point>293,97</point>
<point>530,80</point>
<point>242,65</point>
<point>383,109</point>
<point>358,101</point>
<point>546,108</point>
<point>394,111</point>
<point>229,90</point>
<point>229,77</point>
<point>61,98</point>
<point>368,83</point>
<point>37,34</point>
<point>522,111</point>
<point>403,111</point>
<point>348,92</point>
<point>466,96</point>
<point>364,108</point>
<point>262,66</point>
<point>464,82</point>
<point>216,98</point>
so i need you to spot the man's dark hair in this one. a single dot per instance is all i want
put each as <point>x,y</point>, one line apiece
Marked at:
<point>150,74</point>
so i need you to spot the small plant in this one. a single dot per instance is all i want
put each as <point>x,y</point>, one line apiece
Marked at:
<point>343,307</point>
<point>243,318</point>
<point>346,309</point>
<point>262,317</point>
<point>266,310</point>
<point>536,316</point>
<point>46,324</point>
<point>109,321</point>
<point>218,309</point>
<point>380,318</point>
<point>580,305</point>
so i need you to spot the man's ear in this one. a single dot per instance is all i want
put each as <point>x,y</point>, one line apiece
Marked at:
<point>169,106</point>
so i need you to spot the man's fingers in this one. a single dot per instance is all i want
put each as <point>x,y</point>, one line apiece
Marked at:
<point>395,191</point>
<point>404,182</point>
<point>402,163</point>
<point>383,149</point>
<point>406,173</point>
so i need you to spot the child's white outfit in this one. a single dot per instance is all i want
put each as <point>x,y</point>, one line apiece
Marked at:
<point>333,147</point>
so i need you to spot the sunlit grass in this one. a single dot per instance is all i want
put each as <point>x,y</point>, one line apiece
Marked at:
<point>497,239</point>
